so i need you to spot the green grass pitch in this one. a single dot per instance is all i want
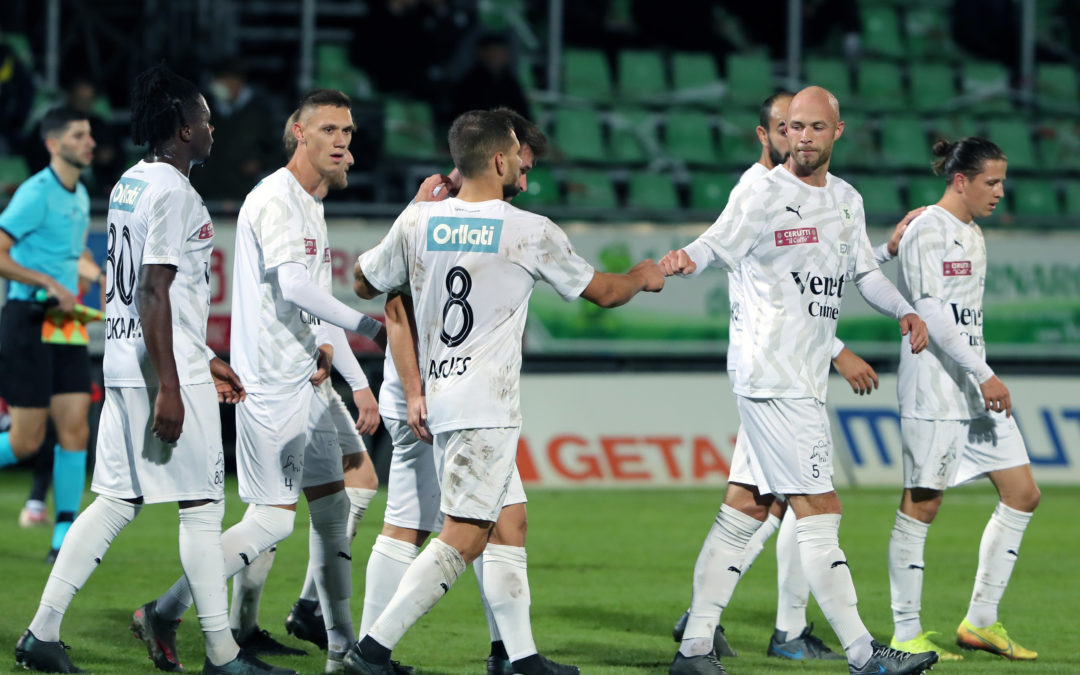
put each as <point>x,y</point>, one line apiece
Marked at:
<point>610,572</point>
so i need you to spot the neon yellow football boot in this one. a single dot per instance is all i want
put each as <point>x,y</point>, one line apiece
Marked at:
<point>924,642</point>
<point>993,639</point>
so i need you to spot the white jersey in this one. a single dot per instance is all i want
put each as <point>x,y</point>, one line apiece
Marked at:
<point>797,248</point>
<point>157,218</point>
<point>392,403</point>
<point>272,344</point>
<point>943,258</point>
<point>471,267</point>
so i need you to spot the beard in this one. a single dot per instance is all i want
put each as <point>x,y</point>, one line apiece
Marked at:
<point>822,159</point>
<point>339,181</point>
<point>74,160</point>
<point>510,191</point>
<point>776,156</point>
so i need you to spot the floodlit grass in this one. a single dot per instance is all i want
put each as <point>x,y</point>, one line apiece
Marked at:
<point>610,572</point>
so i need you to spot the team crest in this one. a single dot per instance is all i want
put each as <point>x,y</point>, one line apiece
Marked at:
<point>847,216</point>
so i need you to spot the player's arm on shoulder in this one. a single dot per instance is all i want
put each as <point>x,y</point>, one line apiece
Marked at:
<point>611,290</point>
<point>155,312</point>
<point>892,247</point>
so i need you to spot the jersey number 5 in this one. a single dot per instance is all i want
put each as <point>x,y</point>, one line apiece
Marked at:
<point>120,276</point>
<point>459,299</point>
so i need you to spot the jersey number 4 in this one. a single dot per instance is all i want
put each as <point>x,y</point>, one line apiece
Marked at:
<point>120,275</point>
<point>458,276</point>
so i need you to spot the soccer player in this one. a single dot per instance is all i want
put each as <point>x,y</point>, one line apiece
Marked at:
<point>471,263</point>
<point>796,237</point>
<point>954,412</point>
<point>160,435</point>
<point>43,246</point>
<point>792,638</point>
<point>281,299</point>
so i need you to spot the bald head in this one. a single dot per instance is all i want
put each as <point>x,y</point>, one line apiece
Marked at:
<point>813,125</point>
<point>817,101</point>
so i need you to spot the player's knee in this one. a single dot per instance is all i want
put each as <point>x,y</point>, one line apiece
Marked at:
<point>1026,500</point>
<point>74,436</point>
<point>25,442</point>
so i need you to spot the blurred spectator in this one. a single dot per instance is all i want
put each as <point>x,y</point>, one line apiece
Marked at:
<point>16,99</point>
<point>109,160</point>
<point>491,81</point>
<point>247,136</point>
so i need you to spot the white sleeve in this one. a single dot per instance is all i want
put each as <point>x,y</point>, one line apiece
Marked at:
<point>321,336</point>
<point>210,354</point>
<point>881,253</point>
<point>880,294</point>
<point>949,339</point>
<point>345,360</point>
<point>701,255</point>
<point>298,288</point>
<point>837,347</point>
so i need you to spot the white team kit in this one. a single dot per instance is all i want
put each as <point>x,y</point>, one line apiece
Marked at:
<point>796,249</point>
<point>157,218</point>
<point>471,267</point>
<point>273,347</point>
<point>949,437</point>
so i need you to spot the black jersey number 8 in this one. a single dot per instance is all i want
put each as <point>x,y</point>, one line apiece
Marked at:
<point>459,299</point>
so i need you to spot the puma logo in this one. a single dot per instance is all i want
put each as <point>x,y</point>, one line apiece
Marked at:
<point>734,569</point>
<point>838,563</point>
<point>343,554</point>
<point>915,567</point>
<point>244,557</point>
<point>795,210</point>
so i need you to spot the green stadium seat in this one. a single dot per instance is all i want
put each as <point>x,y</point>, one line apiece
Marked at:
<point>689,137</point>
<point>986,86</point>
<point>833,74</point>
<point>633,135</point>
<point>652,191</point>
<point>20,44</point>
<point>13,171</point>
<point>881,195</point>
<point>542,189</point>
<point>904,143</point>
<point>933,86</point>
<point>335,71</point>
<point>641,75</point>
<point>881,31</point>
<point>1072,197</point>
<point>925,190</point>
<point>589,188</point>
<point>855,148</point>
<point>1014,137</point>
<point>525,75</point>
<point>1056,84</point>
<point>880,83</point>
<point>1033,196</point>
<point>694,73</point>
<point>739,143</point>
<point>710,191</point>
<point>953,127</point>
<point>929,35</point>
<point>586,74</point>
<point>410,129</point>
<point>578,134</point>
<point>749,77</point>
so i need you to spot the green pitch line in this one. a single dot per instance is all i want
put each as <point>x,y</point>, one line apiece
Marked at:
<point>610,572</point>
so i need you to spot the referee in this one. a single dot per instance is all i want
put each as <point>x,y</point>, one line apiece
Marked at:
<point>43,246</point>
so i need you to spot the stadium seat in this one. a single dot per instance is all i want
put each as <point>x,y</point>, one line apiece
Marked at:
<point>880,83</point>
<point>1056,85</point>
<point>578,134</point>
<point>1014,137</point>
<point>748,77</point>
<point>410,131</point>
<point>335,71</point>
<point>739,144</point>
<point>589,188</point>
<point>633,135</point>
<point>652,191</point>
<point>903,142</point>
<point>986,85</point>
<point>1072,197</point>
<point>689,137</point>
<point>933,86</point>
<point>710,191</point>
<point>13,171</point>
<point>881,31</point>
<point>587,74</point>
<point>924,190</point>
<point>1033,196</point>
<point>952,127</point>
<point>881,196</point>
<point>833,74</point>
<point>855,148</point>
<point>928,33</point>
<point>641,75</point>
<point>694,75</point>
<point>543,190</point>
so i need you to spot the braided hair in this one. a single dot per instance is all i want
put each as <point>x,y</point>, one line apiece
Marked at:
<point>158,101</point>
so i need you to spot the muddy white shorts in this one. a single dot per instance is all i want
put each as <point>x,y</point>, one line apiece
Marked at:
<point>943,453</point>
<point>791,443</point>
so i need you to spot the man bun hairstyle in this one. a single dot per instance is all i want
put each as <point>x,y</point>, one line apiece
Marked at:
<point>966,156</point>
<point>159,101</point>
<point>527,132</point>
<point>57,119</point>
<point>475,137</point>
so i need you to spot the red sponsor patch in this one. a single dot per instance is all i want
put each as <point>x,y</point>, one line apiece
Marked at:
<point>958,268</point>
<point>326,254</point>
<point>207,231</point>
<point>309,246</point>
<point>799,235</point>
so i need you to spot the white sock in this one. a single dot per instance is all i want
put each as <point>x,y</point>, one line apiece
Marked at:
<point>998,552</point>
<point>359,498</point>
<point>906,546</point>
<point>83,548</point>
<point>259,529</point>
<point>389,561</point>
<point>715,574</point>
<point>757,542</point>
<point>247,590</point>
<point>506,586</point>
<point>826,569</point>
<point>204,568</point>
<point>493,626</point>
<point>792,590</point>
<point>328,556</point>
<point>427,580</point>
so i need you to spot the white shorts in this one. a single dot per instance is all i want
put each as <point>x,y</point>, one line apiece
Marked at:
<point>329,413</point>
<point>744,466</point>
<point>477,469</point>
<point>791,443</point>
<point>278,449</point>
<point>945,453</point>
<point>132,463</point>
